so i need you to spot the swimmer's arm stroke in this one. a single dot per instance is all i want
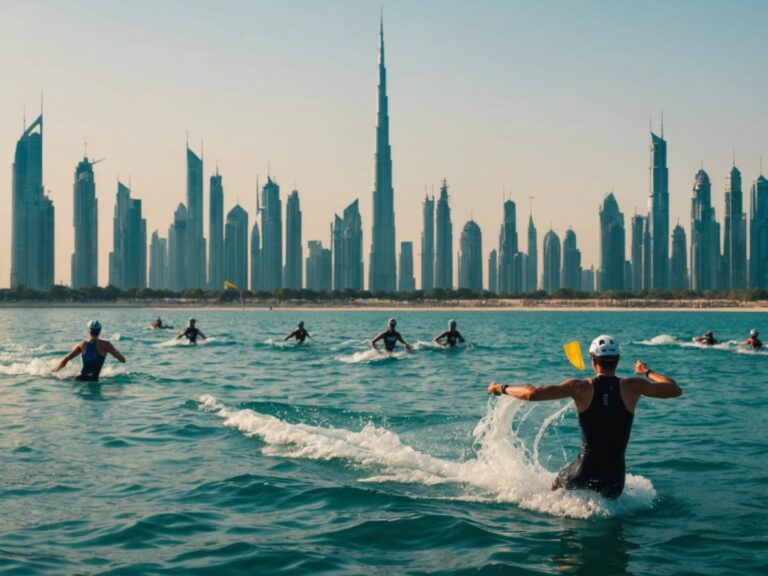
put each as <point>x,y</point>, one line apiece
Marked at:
<point>373,342</point>
<point>115,352</point>
<point>203,336</point>
<point>291,335</point>
<point>408,346</point>
<point>78,349</point>
<point>439,337</point>
<point>654,385</point>
<point>571,388</point>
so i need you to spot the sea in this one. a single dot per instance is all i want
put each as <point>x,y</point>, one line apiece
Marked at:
<point>246,454</point>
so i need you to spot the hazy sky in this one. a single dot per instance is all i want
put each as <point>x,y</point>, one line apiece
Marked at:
<point>544,99</point>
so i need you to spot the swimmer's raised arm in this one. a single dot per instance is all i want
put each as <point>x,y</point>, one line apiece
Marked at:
<point>570,388</point>
<point>77,350</point>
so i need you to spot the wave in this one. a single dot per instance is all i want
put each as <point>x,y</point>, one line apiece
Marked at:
<point>210,341</point>
<point>728,345</point>
<point>370,356</point>
<point>41,367</point>
<point>283,344</point>
<point>504,469</point>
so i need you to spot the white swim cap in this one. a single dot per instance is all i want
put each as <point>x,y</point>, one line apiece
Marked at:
<point>94,326</point>
<point>604,346</point>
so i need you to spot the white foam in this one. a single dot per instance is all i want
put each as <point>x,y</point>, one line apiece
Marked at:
<point>502,469</point>
<point>173,342</point>
<point>40,367</point>
<point>371,355</point>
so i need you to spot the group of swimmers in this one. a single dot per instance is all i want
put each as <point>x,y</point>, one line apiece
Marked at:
<point>752,342</point>
<point>605,404</point>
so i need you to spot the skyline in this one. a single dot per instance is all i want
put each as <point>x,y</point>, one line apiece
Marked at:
<point>454,160</point>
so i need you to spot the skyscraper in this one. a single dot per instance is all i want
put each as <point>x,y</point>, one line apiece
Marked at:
<point>158,262</point>
<point>735,246</point>
<point>612,246</point>
<point>406,281</point>
<point>236,247</point>
<point>383,275</point>
<point>532,277</point>
<point>507,248</point>
<point>678,265</point>
<point>85,258</point>
<point>705,237</point>
<point>471,257</point>
<point>271,237</point>
<point>428,244</point>
<point>128,259</point>
<point>444,241</point>
<point>319,272</point>
<point>216,234</point>
<point>256,269</point>
<point>571,276</point>
<point>177,250</point>
<point>493,270</point>
<point>638,236</point>
<point>32,234</point>
<point>659,216</point>
<point>293,252</point>
<point>347,233</point>
<point>758,234</point>
<point>196,269</point>
<point>550,278</point>
<point>588,280</point>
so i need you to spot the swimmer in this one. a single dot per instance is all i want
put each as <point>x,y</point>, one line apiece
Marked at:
<point>93,351</point>
<point>708,339</point>
<point>452,336</point>
<point>606,408</point>
<point>390,337</point>
<point>158,324</point>
<point>191,332</point>
<point>753,341</point>
<point>300,333</point>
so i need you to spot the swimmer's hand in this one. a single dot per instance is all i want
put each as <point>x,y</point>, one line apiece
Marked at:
<point>495,388</point>
<point>640,367</point>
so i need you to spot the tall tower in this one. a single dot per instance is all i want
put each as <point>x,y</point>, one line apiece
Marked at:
<point>758,234</point>
<point>33,215</point>
<point>532,276</point>
<point>493,270</point>
<point>293,253</point>
<point>196,269</point>
<point>735,248</point>
<point>678,264</point>
<point>638,233</point>
<point>407,283</point>
<point>428,244</point>
<point>507,248</point>
<point>236,247</point>
<point>271,237</point>
<point>659,216</point>
<point>705,249</point>
<point>347,233</point>
<point>128,259</point>
<point>382,272</point>
<point>471,257</point>
<point>177,250</point>
<point>216,233</point>
<point>571,273</point>
<point>158,262</point>
<point>85,259</point>
<point>550,278</point>
<point>444,241</point>
<point>612,246</point>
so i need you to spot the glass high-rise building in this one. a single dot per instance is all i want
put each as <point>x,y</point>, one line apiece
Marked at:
<point>735,241</point>
<point>571,274</point>
<point>507,248</point>
<point>532,277</point>
<point>444,241</point>
<point>256,271</point>
<point>471,257</point>
<point>271,237</point>
<point>758,234</point>
<point>158,262</point>
<point>382,271</point>
<point>177,250</point>
<point>493,270</point>
<point>659,214</point>
<point>347,233</point>
<point>236,247</point>
<point>705,236</point>
<point>293,277</point>
<point>216,234</point>
<point>85,258</point>
<point>319,270</point>
<point>428,244</point>
<point>612,246</point>
<point>638,228</point>
<point>678,264</point>
<point>128,259</point>
<point>196,268</point>
<point>550,277</point>
<point>32,227</point>
<point>406,280</point>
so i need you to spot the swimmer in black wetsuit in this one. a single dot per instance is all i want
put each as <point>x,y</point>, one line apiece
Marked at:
<point>753,341</point>
<point>300,333</point>
<point>94,351</point>
<point>452,336</point>
<point>606,407</point>
<point>158,325</point>
<point>708,339</point>
<point>390,337</point>
<point>191,332</point>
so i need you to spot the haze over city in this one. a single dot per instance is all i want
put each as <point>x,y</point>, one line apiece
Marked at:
<point>551,101</point>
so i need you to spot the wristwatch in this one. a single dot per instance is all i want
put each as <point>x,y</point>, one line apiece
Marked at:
<point>647,372</point>
<point>504,388</point>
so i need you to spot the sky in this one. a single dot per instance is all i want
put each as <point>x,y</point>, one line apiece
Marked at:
<point>550,99</point>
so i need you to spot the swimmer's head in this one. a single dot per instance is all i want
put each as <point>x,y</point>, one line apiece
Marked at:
<point>451,323</point>
<point>392,323</point>
<point>301,324</point>
<point>192,321</point>
<point>709,334</point>
<point>605,351</point>
<point>753,333</point>
<point>94,327</point>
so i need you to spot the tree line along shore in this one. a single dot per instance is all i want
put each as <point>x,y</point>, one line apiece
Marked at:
<point>463,298</point>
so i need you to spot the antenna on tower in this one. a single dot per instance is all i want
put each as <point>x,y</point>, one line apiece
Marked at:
<point>733,153</point>
<point>187,139</point>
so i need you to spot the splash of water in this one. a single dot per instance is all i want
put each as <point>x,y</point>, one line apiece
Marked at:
<point>502,469</point>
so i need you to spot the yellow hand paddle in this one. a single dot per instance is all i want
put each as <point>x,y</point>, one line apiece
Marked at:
<point>573,352</point>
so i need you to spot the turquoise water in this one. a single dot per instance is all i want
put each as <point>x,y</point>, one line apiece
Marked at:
<point>245,455</point>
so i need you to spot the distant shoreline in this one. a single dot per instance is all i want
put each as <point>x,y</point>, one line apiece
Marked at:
<point>495,305</point>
